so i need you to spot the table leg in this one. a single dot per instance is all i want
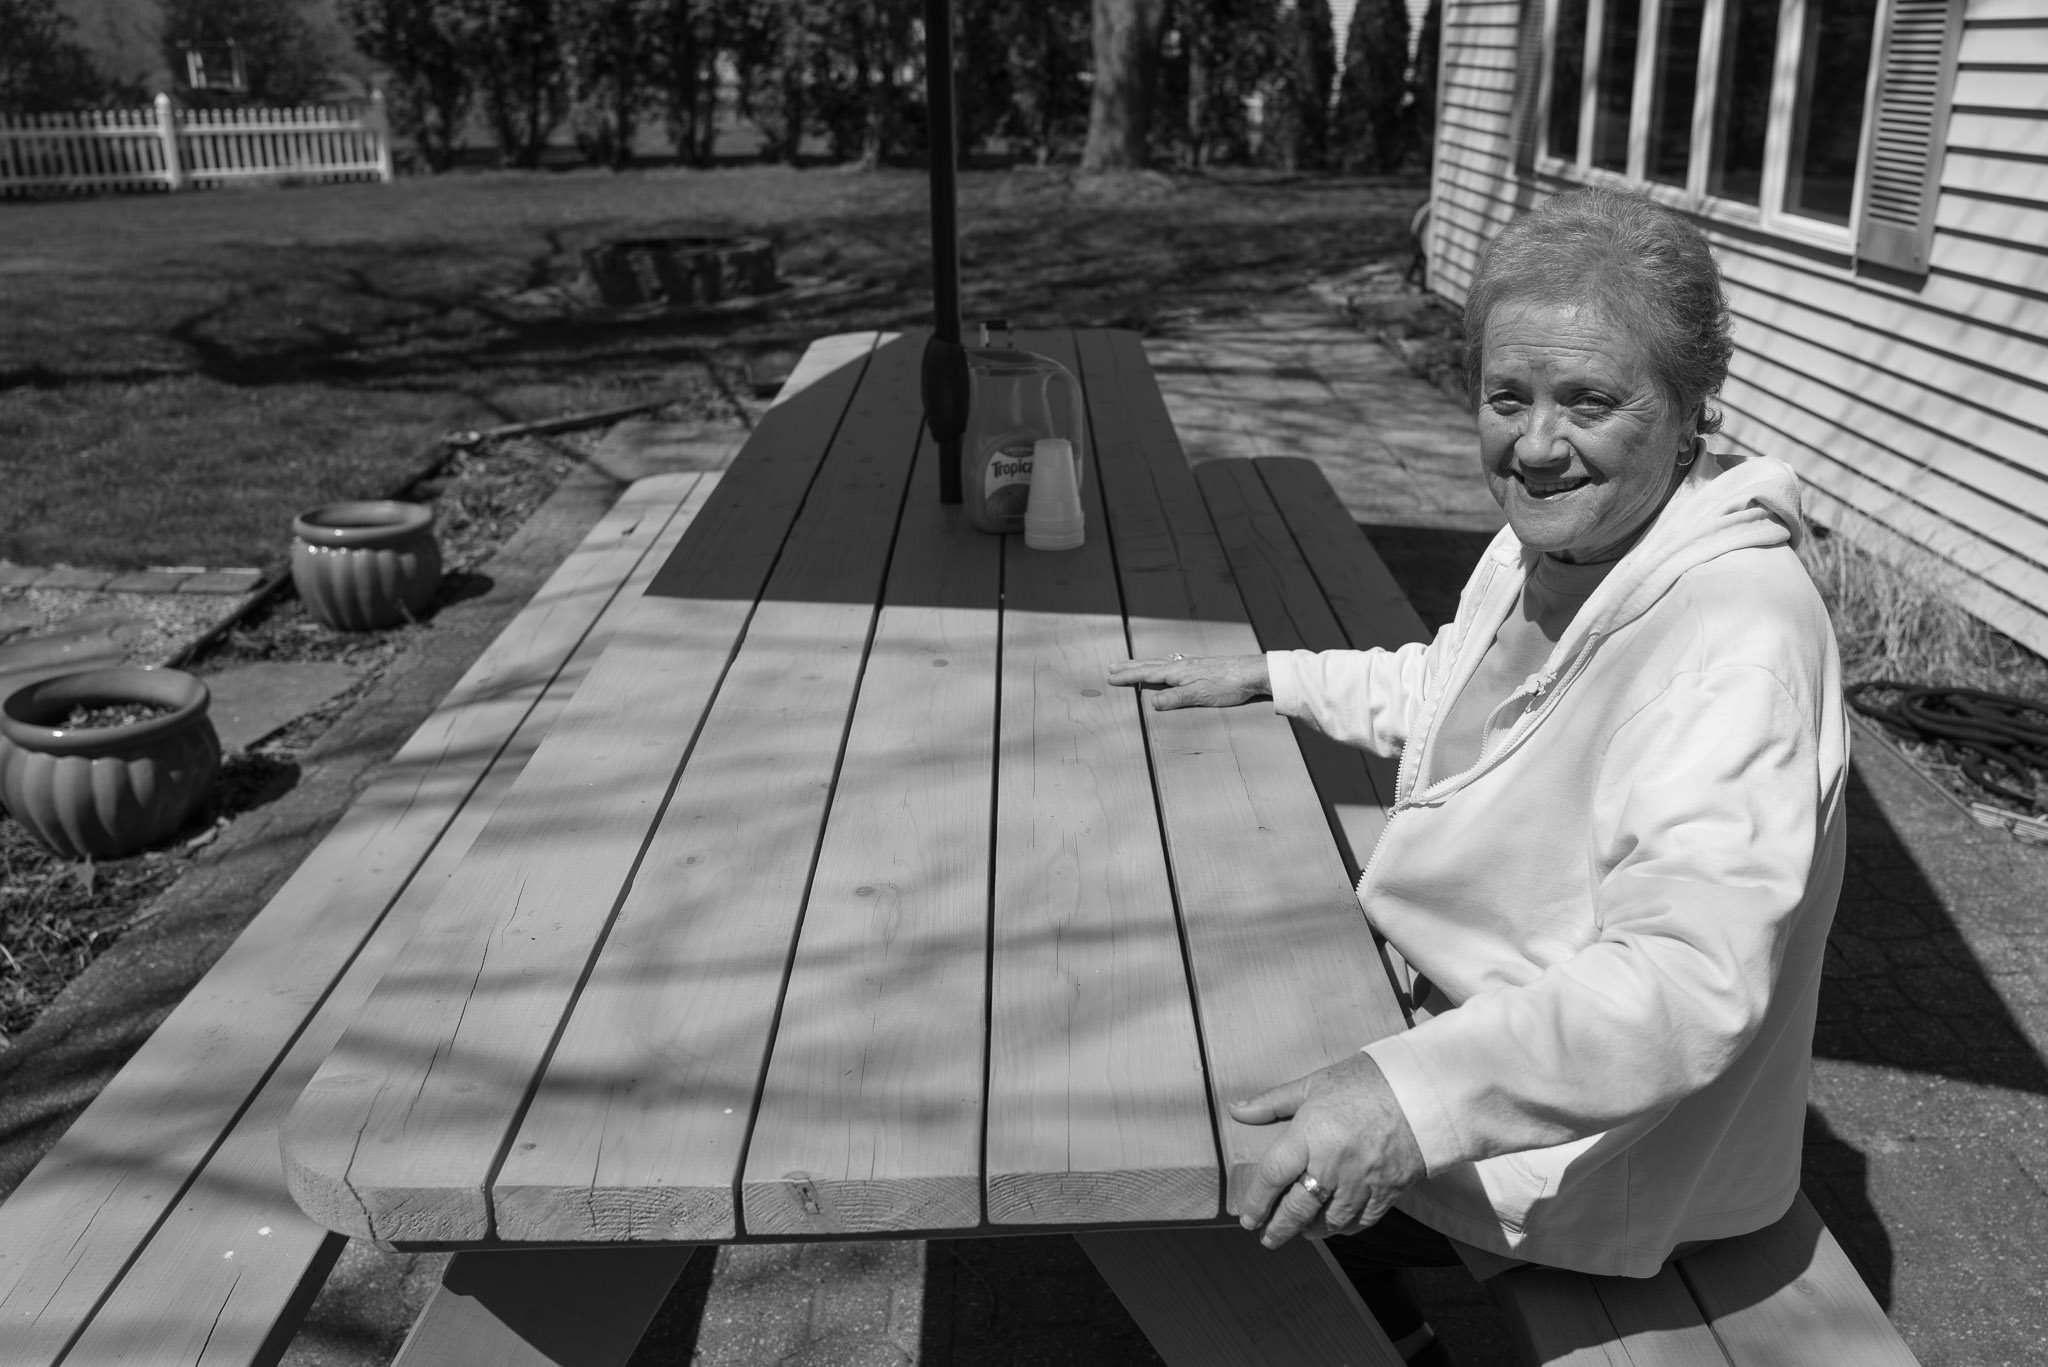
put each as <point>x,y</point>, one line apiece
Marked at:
<point>553,1307</point>
<point>1210,1297</point>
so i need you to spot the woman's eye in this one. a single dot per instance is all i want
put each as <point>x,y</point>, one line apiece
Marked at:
<point>1592,405</point>
<point>1504,403</point>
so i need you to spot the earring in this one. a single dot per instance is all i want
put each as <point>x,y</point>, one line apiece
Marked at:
<point>1699,445</point>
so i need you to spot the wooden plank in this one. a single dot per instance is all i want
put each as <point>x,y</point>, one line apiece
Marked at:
<point>1288,612</point>
<point>1369,605</point>
<point>1790,1293</point>
<point>123,1164</point>
<point>1567,1319</point>
<point>398,1134</point>
<point>2008,179</point>
<point>674,1024</point>
<point>1217,1298</point>
<point>543,1308</point>
<point>1267,913</point>
<point>1097,1107</point>
<point>183,1301</point>
<point>870,1115</point>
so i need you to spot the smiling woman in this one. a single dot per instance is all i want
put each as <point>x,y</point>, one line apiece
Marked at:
<point>1617,837</point>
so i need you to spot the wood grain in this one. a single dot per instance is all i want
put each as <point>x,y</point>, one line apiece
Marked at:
<point>234,1262</point>
<point>1286,977</point>
<point>1288,612</point>
<point>1217,1298</point>
<point>636,1130</point>
<point>870,1114</point>
<point>1568,1319</point>
<point>1789,1293</point>
<point>398,1133</point>
<point>1097,1107</point>
<point>69,1230</point>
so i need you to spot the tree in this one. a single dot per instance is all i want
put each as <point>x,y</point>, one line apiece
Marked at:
<point>1126,34</point>
<point>687,39</point>
<point>1422,81</point>
<point>612,51</point>
<point>425,46</point>
<point>1373,129</point>
<point>521,73</point>
<point>285,57</point>
<point>1304,68</point>
<point>42,70</point>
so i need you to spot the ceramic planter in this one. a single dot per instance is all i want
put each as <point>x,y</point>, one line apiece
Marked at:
<point>358,566</point>
<point>106,791</point>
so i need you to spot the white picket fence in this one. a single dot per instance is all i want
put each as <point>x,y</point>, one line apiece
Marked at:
<point>168,148</point>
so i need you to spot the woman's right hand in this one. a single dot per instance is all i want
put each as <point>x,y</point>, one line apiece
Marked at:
<point>1197,681</point>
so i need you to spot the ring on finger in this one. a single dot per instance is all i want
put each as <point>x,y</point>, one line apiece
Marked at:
<point>1309,1184</point>
<point>1179,657</point>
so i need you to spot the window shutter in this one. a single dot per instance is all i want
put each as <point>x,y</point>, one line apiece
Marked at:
<point>1525,118</point>
<point>1908,131</point>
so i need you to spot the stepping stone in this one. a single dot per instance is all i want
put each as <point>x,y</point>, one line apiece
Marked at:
<point>639,447</point>
<point>96,639</point>
<point>251,701</point>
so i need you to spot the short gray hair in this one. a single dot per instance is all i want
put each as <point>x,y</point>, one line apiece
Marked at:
<point>1646,268</point>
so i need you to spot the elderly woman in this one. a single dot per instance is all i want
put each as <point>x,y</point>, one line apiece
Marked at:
<point>1617,839</point>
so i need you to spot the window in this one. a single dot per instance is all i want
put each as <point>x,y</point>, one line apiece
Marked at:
<point>1753,110</point>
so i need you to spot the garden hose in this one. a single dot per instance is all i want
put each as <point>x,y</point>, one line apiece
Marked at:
<point>1999,741</point>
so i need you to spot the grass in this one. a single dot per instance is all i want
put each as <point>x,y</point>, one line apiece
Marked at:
<point>180,374</point>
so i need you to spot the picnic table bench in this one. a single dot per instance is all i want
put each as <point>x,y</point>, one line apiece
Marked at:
<point>817,596</point>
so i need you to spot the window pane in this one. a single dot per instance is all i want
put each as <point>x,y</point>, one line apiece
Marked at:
<point>1827,122</point>
<point>1617,83</point>
<point>1678,62</point>
<point>1749,47</point>
<point>1567,69</point>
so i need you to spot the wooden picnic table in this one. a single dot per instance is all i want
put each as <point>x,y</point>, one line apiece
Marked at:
<point>846,899</point>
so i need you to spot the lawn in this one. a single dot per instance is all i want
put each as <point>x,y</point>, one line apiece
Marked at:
<point>179,374</point>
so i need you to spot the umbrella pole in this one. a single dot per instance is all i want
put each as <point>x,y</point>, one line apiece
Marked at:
<point>945,362</point>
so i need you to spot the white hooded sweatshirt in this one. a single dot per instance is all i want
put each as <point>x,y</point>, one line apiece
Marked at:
<point>1622,907</point>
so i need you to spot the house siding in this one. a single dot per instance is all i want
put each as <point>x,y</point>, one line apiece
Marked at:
<point>1918,417</point>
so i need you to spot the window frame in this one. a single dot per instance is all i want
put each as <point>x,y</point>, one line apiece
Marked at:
<point>1767,215</point>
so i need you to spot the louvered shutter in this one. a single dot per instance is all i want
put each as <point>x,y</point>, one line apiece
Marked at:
<point>1908,130</point>
<point>1524,117</point>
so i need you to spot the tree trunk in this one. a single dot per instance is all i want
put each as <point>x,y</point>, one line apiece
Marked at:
<point>1126,48</point>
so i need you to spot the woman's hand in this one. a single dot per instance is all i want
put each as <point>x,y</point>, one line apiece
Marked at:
<point>1205,681</point>
<point>1346,1130</point>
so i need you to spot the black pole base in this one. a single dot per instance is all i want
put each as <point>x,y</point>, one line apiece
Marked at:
<point>943,382</point>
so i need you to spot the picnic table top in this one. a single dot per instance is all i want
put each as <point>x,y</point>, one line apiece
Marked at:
<point>846,898</point>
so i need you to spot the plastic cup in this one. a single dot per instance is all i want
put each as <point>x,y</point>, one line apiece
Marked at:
<point>1052,517</point>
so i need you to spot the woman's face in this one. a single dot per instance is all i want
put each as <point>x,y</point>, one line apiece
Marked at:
<point>1579,443</point>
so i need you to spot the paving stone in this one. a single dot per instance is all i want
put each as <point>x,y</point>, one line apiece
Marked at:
<point>99,638</point>
<point>640,447</point>
<point>19,576</point>
<point>148,581</point>
<point>66,577</point>
<point>250,701</point>
<point>222,581</point>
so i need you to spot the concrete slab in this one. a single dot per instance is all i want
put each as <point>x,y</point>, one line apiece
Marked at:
<point>1397,451</point>
<point>19,576</point>
<point>223,581</point>
<point>66,577</point>
<point>251,701</point>
<point>148,581</point>
<point>99,638</point>
<point>639,447</point>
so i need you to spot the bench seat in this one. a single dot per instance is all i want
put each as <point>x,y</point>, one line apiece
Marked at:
<point>158,1229</point>
<point>1786,1294</point>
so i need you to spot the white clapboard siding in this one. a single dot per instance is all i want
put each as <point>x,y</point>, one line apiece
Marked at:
<point>1916,408</point>
<point>165,148</point>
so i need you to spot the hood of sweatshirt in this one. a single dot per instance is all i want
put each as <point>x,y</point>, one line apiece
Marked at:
<point>1728,503</point>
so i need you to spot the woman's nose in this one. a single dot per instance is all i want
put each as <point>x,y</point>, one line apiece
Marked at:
<point>1543,441</point>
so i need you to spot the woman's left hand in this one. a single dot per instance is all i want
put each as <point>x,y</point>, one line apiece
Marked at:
<point>1347,1131</point>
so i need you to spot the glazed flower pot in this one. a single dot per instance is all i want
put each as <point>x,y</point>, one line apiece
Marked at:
<point>104,791</point>
<point>358,566</point>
